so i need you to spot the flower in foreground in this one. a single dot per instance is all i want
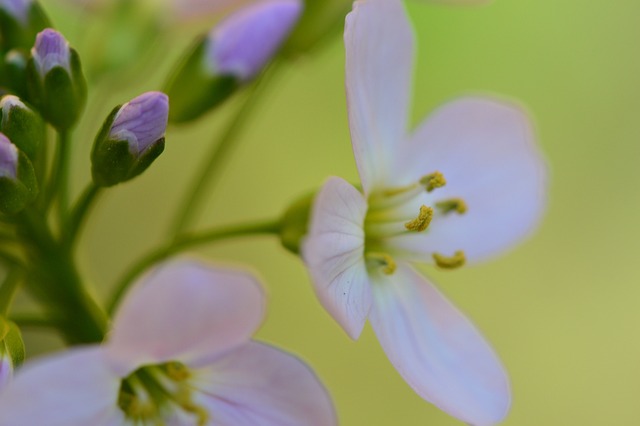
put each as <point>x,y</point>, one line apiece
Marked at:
<point>468,183</point>
<point>179,354</point>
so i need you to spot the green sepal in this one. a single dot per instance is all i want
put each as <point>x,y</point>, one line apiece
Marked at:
<point>295,223</point>
<point>25,129</point>
<point>111,162</point>
<point>15,34</point>
<point>146,158</point>
<point>60,96</point>
<point>14,345</point>
<point>16,194</point>
<point>192,88</point>
<point>321,20</point>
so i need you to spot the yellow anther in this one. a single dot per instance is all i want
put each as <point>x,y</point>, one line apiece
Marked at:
<point>383,259</point>
<point>450,262</point>
<point>176,371</point>
<point>423,220</point>
<point>453,204</point>
<point>433,180</point>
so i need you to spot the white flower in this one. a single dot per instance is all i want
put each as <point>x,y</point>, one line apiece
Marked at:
<point>179,354</point>
<point>467,184</point>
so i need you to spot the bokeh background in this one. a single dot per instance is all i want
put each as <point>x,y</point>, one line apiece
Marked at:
<point>561,309</point>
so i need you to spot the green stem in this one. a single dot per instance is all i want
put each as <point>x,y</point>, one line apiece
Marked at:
<point>221,148</point>
<point>8,290</point>
<point>79,213</point>
<point>185,242</point>
<point>55,282</point>
<point>59,175</point>
<point>26,320</point>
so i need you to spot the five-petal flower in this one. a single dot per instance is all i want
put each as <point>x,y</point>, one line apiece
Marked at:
<point>467,184</point>
<point>179,354</point>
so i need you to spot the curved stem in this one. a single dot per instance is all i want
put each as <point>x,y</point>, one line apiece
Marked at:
<point>183,243</point>
<point>79,212</point>
<point>220,150</point>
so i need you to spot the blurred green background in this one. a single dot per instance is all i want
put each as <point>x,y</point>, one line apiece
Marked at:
<point>562,309</point>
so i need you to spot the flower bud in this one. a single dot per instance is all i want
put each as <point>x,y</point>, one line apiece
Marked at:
<point>320,21</point>
<point>56,82</point>
<point>130,139</point>
<point>233,53</point>
<point>18,185</point>
<point>21,125</point>
<point>20,21</point>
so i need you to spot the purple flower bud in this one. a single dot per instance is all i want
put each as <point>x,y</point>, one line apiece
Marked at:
<point>19,9</point>
<point>243,43</point>
<point>51,50</point>
<point>8,158</point>
<point>141,121</point>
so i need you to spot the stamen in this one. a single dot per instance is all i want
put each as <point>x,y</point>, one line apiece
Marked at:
<point>176,371</point>
<point>457,204</point>
<point>423,220</point>
<point>383,259</point>
<point>456,261</point>
<point>433,180</point>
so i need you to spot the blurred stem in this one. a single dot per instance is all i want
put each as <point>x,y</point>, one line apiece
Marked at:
<point>186,242</point>
<point>27,320</point>
<point>221,148</point>
<point>78,214</point>
<point>8,290</point>
<point>53,279</point>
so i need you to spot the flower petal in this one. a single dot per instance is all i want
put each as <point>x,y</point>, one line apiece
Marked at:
<point>333,251</point>
<point>186,311</point>
<point>71,388</point>
<point>437,350</point>
<point>258,385</point>
<point>487,152</point>
<point>379,63</point>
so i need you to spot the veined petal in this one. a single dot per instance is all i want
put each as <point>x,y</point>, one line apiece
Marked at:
<point>185,311</point>
<point>487,152</point>
<point>258,385</point>
<point>334,253</point>
<point>379,63</point>
<point>72,388</point>
<point>437,350</point>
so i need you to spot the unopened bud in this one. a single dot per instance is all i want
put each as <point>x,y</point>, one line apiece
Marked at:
<point>56,82</point>
<point>321,20</point>
<point>233,53</point>
<point>20,21</point>
<point>21,125</point>
<point>130,139</point>
<point>18,184</point>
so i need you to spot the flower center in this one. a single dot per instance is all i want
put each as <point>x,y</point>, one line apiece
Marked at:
<point>392,213</point>
<point>148,395</point>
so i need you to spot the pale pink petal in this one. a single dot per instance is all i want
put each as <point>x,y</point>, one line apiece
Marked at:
<point>438,351</point>
<point>333,251</point>
<point>487,151</point>
<point>379,63</point>
<point>187,311</point>
<point>258,385</point>
<point>69,389</point>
